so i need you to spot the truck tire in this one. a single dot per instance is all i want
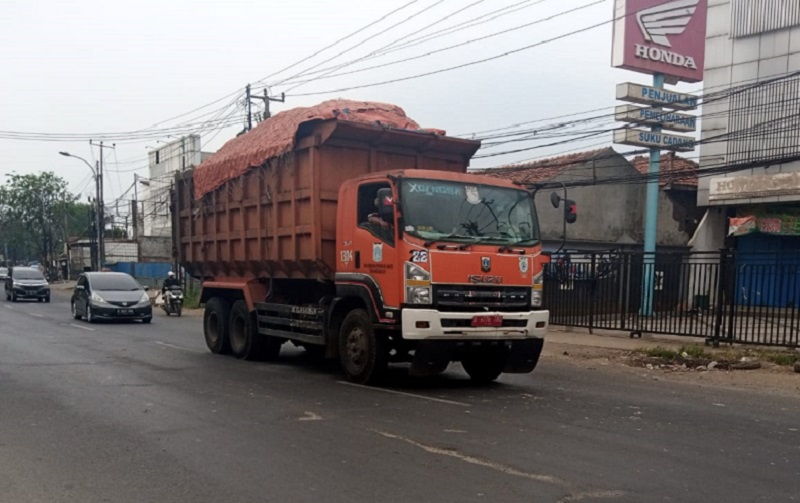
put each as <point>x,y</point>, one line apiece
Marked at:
<point>215,325</point>
<point>484,367</point>
<point>246,342</point>
<point>363,353</point>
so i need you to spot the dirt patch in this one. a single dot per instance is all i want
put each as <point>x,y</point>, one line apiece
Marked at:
<point>768,377</point>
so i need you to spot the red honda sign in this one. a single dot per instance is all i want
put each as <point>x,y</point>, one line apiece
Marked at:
<point>661,36</point>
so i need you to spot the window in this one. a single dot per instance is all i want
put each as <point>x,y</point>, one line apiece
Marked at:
<point>751,17</point>
<point>368,212</point>
<point>27,274</point>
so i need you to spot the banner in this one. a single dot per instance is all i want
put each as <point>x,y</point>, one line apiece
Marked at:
<point>786,223</point>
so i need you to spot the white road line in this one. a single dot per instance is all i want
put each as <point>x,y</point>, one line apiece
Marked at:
<point>173,346</point>
<point>81,327</point>
<point>423,397</point>
<point>7,306</point>
<point>37,315</point>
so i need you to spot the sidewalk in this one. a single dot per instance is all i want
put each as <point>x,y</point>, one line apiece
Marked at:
<point>615,340</point>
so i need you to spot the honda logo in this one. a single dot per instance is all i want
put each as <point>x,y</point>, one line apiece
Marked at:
<point>486,264</point>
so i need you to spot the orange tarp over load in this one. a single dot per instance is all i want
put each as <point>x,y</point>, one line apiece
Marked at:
<point>276,136</point>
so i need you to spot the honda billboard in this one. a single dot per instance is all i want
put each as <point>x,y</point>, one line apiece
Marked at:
<point>661,36</point>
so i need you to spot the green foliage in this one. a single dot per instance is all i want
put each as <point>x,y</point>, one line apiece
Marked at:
<point>694,351</point>
<point>36,213</point>
<point>659,352</point>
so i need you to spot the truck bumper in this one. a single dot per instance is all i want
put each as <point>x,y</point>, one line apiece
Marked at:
<point>429,324</point>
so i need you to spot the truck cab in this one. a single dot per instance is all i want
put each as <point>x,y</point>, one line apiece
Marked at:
<point>448,267</point>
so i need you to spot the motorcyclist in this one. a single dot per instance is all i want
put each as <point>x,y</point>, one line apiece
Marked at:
<point>170,282</point>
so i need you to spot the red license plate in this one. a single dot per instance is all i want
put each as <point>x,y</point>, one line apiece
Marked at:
<point>487,321</point>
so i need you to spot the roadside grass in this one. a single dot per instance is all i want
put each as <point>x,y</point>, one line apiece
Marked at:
<point>697,353</point>
<point>192,298</point>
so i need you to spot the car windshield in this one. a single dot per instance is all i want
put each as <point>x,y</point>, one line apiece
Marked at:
<point>114,282</point>
<point>3,271</point>
<point>27,274</point>
<point>438,210</point>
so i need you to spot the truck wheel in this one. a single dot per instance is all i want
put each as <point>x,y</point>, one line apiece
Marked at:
<point>363,353</point>
<point>246,342</point>
<point>215,325</point>
<point>484,367</point>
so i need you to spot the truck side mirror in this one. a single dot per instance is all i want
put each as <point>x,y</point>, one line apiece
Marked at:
<point>386,205</point>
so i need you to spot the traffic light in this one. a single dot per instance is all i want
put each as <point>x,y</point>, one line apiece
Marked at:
<point>570,211</point>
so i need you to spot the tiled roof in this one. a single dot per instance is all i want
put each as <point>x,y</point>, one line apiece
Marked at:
<point>545,169</point>
<point>675,170</point>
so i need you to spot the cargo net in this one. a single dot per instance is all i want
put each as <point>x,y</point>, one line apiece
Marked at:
<point>275,138</point>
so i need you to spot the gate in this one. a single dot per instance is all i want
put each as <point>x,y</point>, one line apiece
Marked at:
<point>750,298</point>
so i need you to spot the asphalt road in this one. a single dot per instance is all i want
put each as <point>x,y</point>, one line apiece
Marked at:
<point>137,413</point>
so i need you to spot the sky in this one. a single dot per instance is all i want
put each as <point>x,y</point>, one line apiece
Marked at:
<point>81,69</point>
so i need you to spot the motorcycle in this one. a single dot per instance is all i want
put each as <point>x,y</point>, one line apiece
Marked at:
<point>173,301</point>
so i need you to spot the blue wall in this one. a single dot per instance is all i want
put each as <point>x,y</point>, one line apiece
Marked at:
<point>147,273</point>
<point>768,270</point>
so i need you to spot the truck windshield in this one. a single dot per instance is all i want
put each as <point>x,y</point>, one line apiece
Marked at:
<point>439,210</point>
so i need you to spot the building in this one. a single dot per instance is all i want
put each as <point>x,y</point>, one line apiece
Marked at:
<point>610,194</point>
<point>153,205</point>
<point>751,119</point>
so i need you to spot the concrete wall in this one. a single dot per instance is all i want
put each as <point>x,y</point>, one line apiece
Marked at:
<point>613,213</point>
<point>155,249</point>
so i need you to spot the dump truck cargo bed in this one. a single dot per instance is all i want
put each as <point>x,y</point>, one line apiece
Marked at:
<point>279,219</point>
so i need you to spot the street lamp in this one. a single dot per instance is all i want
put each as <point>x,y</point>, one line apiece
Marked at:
<point>98,178</point>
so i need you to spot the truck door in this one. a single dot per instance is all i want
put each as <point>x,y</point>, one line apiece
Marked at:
<point>375,243</point>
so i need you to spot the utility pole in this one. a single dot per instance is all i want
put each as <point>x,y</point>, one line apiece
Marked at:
<point>266,99</point>
<point>100,204</point>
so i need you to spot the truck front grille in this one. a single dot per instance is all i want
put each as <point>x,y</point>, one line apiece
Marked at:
<point>491,298</point>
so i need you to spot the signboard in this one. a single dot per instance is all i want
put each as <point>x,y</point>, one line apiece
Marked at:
<point>640,138</point>
<point>656,117</point>
<point>752,187</point>
<point>782,222</point>
<point>646,95</point>
<point>661,36</point>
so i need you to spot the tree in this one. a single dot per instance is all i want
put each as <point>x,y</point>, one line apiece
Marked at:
<point>33,212</point>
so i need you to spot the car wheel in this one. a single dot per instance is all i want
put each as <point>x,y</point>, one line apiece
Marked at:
<point>47,299</point>
<point>89,315</point>
<point>146,320</point>
<point>13,297</point>
<point>75,314</point>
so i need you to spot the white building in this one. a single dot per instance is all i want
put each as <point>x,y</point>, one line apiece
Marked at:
<point>752,49</point>
<point>154,196</point>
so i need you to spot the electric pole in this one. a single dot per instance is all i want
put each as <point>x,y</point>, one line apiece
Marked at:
<point>266,99</point>
<point>101,205</point>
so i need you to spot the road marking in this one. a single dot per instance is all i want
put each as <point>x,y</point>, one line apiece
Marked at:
<point>310,416</point>
<point>575,495</point>
<point>423,397</point>
<point>8,307</point>
<point>37,315</point>
<point>549,479</point>
<point>173,346</point>
<point>592,495</point>
<point>81,327</point>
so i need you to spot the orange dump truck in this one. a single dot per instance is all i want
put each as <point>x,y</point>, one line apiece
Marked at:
<point>346,229</point>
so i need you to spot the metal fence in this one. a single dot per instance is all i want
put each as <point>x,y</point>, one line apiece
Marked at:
<point>751,298</point>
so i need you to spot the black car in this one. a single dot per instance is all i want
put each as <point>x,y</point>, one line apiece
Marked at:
<point>26,283</point>
<point>110,296</point>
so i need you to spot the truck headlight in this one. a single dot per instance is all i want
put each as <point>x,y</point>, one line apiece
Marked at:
<point>418,284</point>
<point>418,295</point>
<point>537,297</point>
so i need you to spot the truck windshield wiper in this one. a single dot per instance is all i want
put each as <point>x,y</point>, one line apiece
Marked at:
<point>450,237</point>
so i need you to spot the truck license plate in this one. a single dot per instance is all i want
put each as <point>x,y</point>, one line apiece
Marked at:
<point>487,321</point>
<point>124,311</point>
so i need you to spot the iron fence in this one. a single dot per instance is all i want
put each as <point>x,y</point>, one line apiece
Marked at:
<point>751,298</point>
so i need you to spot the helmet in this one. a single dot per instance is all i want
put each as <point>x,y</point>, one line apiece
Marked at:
<point>171,274</point>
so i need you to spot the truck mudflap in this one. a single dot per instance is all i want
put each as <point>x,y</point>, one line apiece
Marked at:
<point>433,357</point>
<point>523,356</point>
